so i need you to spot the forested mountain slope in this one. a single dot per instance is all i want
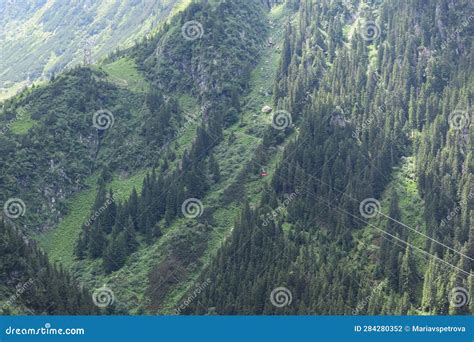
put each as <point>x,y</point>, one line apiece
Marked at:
<point>31,285</point>
<point>366,88</point>
<point>260,157</point>
<point>41,37</point>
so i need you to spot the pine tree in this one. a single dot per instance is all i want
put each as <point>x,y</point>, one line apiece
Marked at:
<point>97,242</point>
<point>408,275</point>
<point>116,252</point>
<point>214,169</point>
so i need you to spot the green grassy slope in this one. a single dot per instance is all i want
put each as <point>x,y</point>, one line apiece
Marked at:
<point>59,243</point>
<point>412,212</point>
<point>128,283</point>
<point>123,73</point>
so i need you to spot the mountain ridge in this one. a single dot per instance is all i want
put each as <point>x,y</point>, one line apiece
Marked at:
<point>323,147</point>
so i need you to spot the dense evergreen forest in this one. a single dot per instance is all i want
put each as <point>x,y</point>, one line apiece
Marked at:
<point>39,287</point>
<point>251,157</point>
